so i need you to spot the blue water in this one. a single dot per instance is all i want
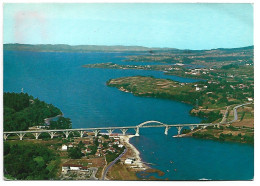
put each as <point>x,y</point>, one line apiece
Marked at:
<point>83,96</point>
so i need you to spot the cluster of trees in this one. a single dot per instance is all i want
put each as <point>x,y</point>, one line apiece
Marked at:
<point>225,137</point>
<point>229,66</point>
<point>22,111</point>
<point>75,152</point>
<point>204,135</point>
<point>61,123</point>
<point>185,131</point>
<point>29,162</point>
<point>208,116</point>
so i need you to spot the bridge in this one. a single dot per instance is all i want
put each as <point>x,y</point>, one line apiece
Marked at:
<point>146,124</point>
<point>81,131</point>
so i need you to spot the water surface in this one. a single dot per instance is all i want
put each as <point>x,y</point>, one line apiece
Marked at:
<point>83,96</point>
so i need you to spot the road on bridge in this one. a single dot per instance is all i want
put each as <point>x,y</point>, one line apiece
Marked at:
<point>112,163</point>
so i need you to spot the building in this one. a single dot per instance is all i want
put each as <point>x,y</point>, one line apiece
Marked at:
<point>38,127</point>
<point>88,150</point>
<point>64,148</point>
<point>73,167</point>
<point>111,149</point>
<point>129,161</point>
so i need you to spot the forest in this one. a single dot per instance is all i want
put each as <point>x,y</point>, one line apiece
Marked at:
<point>22,111</point>
<point>29,162</point>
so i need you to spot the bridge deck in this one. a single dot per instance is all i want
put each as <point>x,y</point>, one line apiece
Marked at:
<point>109,128</point>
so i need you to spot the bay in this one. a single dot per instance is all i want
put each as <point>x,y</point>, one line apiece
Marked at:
<point>83,96</point>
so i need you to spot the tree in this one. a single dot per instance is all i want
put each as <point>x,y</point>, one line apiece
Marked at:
<point>6,148</point>
<point>61,123</point>
<point>22,111</point>
<point>75,153</point>
<point>29,162</point>
<point>80,145</point>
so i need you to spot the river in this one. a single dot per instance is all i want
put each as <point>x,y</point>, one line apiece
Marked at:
<point>83,96</point>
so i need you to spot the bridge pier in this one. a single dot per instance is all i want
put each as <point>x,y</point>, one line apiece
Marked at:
<point>123,131</point>
<point>5,136</point>
<point>81,133</point>
<point>21,135</point>
<point>67,133</point>
<point>36,135</point>
<point>96,132</point>
<point>137,131</point>
<point>110,131</point>
<point>166,130</point>
<point>192,127</point>
<point>52,134</point>
<point>179,130</point>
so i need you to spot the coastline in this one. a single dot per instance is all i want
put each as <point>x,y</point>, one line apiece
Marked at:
<point>138,164</point>
<point>48,120</point>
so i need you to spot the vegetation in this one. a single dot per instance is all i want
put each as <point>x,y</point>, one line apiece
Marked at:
<point>120,172</point>
<point>61,123</point>
<point>203,94</point>
<point>208,58</point>
<point>22,111</point>
<point>209,117</point>
<point>219,135</point>
<point>29,162</point>
<point>185,131</point>
<point>75,153</point>
<point>110,156</point>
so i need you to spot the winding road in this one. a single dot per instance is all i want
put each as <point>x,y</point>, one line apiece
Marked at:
<point>112,163</point>
<point>235,111</point>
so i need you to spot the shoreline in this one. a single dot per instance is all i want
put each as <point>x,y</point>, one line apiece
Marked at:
<point>138,164</point>
<point>48,120</point>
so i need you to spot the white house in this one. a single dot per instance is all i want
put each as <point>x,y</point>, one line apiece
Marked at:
<point>73,167</point>
<point>250,99</point>
<point>120,146</point>
<point>129,161</point>
<point>64,148</point>
<point>198,88</point>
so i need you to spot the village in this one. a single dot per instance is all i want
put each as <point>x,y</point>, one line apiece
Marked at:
<point>86,158</point>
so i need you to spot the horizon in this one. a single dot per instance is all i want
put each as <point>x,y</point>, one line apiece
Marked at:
<point>194,26</point>
<point>130,46</point>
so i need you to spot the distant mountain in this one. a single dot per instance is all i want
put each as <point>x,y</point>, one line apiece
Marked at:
<point>103,48</point>
<point>77,48</point>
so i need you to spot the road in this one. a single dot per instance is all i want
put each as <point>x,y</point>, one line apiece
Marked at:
<point>235,111</point>
<point>224,119</point>
<point>112,163</point>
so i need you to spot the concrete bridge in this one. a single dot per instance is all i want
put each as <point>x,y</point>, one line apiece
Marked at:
<point>110,130</point>
<point>81,131</point>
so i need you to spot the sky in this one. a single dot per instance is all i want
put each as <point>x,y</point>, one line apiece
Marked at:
<point>183,26</point>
